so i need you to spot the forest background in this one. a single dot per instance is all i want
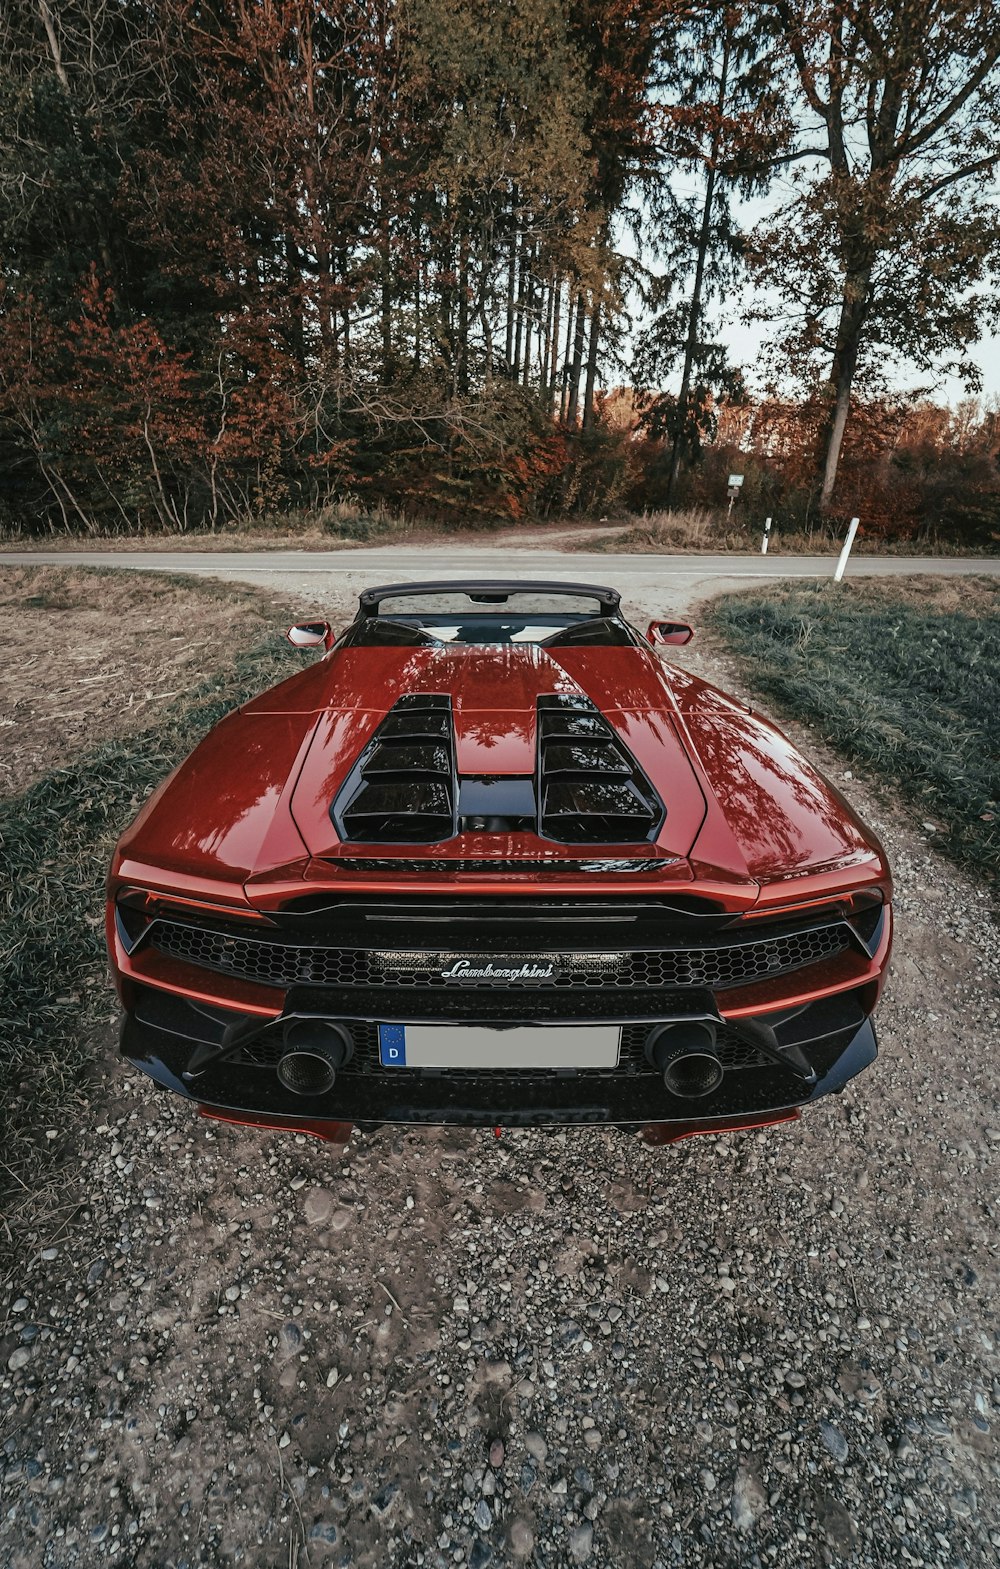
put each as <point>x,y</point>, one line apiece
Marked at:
<point>472,260</point>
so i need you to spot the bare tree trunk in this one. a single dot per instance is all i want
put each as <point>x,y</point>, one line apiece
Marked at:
<point>386,295</point>
<point>571,307</point>
<point>694,314</point>
<point>345,311</point>
<point>554,342</point>
<point>519,316</point>
<point>588,396</point>
<point>545,343</point>
<point>511,283</point>
<point>577,367</point>
<point>296,303</point>
<point>54,48</point>
<point>845,360</point>
<point>529,313</point>
<point>463,309</point>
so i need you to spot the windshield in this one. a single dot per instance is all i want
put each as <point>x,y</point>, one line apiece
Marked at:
<point>494,616</point>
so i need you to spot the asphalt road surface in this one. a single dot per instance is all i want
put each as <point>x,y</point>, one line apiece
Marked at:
<point>657,582</point>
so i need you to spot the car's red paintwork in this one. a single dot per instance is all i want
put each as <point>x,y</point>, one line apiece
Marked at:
<point>745,807</point>
<point>244,822</point>
<point>248,913</point>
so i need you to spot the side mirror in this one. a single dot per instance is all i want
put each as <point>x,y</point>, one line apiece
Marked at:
<point>311,634</point>
<point>676,632</point>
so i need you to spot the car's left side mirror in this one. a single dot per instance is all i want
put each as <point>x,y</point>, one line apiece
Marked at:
<point>676,632</point>
<point>311,634</point>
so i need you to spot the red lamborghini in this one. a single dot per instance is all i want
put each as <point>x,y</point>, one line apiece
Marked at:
<point>491,860</point>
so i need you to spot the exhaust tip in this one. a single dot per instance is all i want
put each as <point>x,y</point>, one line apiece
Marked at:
<point>695,1074</point>
<point>685,1055</point>
<point>315,1049</point>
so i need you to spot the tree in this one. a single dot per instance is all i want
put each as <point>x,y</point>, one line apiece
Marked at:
<point>720,124</point>
<point>891,227</point>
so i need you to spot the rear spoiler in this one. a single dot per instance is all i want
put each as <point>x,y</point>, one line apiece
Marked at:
<point>488,591</point>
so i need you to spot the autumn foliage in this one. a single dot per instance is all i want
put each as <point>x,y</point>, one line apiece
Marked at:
<point>258,255</point>
<point>265,252</point>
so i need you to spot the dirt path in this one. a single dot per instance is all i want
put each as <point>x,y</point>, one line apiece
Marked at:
<point>531,537</point>
<point>441,1349</point>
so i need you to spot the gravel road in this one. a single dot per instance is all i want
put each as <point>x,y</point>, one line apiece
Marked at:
<point>674,583</point>
<point>550,1349</point>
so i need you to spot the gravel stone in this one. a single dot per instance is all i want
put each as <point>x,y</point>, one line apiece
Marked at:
<point>749,1500</point>
<point>318,1206</point>
<point>522,1538</point>
<point>324,1532</point>
<point>581,1542</point>
<point>289,1340</point>
<point>536,1446</point>
<point>385,1500</point>
<point>834,1441</point>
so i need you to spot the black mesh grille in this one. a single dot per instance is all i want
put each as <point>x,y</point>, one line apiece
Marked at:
<point>283,964</point>
<point>402,790</point>
<point>590,788</point>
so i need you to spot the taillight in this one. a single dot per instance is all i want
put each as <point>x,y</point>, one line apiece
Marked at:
<point>137,907</point>
<point>865,915</point>
<point>840,906</point>
<point>133,915</point>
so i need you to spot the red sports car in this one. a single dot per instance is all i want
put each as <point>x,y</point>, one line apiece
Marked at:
<point>491,860</point>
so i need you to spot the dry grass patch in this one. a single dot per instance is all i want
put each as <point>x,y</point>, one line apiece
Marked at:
<point>701,529</point>
<point>84,751</point>
<point>88,654</point>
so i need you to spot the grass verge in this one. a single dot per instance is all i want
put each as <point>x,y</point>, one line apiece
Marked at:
<point>699,529</point>
<point>344,525</point>
<point>903,677</point>
<point>56,840</point>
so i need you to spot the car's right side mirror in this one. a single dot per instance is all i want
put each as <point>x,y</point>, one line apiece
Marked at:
<point>675,632</point>
<point>311,634</point>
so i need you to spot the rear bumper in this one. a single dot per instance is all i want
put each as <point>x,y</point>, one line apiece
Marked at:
<point>181,1044</point>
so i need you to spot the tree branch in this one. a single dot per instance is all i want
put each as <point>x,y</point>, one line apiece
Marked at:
<point>990,161</point>
<point>54,49</point>
<point>920,138</point>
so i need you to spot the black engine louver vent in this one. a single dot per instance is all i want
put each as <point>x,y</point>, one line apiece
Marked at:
<point>402,789</point>
<point>590,788</point>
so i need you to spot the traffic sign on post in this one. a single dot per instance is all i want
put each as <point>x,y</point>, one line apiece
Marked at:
<point>735,481</point>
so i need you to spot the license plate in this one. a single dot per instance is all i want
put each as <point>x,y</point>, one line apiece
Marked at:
<point>525,1048</point>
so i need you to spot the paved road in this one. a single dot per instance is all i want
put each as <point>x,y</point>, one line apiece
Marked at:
<point>659,583</point>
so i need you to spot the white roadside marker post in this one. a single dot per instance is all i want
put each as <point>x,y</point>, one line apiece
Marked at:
<point>848,542</point>
<point>767,536</point>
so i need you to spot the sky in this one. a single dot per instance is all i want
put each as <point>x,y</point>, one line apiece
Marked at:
<point>745,342</point>
<point>745,346</point>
